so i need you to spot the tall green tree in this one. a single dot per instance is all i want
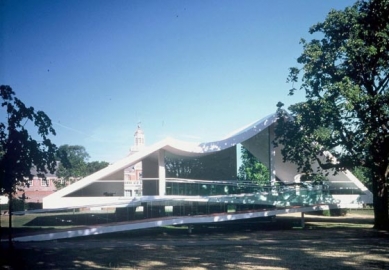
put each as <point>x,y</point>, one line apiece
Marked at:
<point>364,175</point>
<point>251,169</point>
<point>73,165</point>
<point>19,151</point>
<point>94,166</point>
<point>344,72</point>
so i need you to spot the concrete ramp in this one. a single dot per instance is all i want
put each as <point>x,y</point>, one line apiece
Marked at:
<point>167,221</point>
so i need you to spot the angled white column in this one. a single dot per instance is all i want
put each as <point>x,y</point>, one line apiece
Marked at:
<point>161,172</point>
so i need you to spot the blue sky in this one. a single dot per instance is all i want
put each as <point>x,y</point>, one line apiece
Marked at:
<point>192,70</point>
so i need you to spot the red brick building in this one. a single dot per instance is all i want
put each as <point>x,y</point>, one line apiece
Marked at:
<point>39,188</point>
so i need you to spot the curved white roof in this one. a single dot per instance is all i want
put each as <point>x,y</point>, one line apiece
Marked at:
<point>236,137</point>
<point>285,172</point>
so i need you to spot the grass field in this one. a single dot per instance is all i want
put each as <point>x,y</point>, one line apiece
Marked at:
<point>326,242</point>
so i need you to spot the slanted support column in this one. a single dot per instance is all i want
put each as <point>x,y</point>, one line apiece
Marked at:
<point>272,156</point>
<point>302,220</point>
<point>161,172</point>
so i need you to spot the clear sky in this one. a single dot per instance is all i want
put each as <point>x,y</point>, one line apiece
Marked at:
<point>192,70</point>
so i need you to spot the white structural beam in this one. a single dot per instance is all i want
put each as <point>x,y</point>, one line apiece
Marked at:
<point>167,221</point>
<point>161,172</point>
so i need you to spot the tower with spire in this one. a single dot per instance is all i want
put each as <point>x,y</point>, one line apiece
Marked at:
<point>139,140</point>
<point>133,174</point>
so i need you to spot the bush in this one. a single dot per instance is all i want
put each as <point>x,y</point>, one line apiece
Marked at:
<point>338,212</point>
<point>20,205</point>
<point>330,213</point>
<point>34,205</point>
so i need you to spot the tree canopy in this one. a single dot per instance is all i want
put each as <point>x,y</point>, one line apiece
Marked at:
<point>19,151</point>
<point>345,74</point>
<point>73,164</point>
<point>94,166</point>
<point>73,160</point>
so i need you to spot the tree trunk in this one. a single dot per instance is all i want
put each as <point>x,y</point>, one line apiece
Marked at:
<point>10,220</point>
<point>380,200</point>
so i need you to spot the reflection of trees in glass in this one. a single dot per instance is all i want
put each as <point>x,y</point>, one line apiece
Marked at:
<point>215,166</point>
<point>179,167</point>
<point>251,169</point>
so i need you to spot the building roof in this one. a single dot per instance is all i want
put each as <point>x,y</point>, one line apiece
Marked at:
<point>285,172</point>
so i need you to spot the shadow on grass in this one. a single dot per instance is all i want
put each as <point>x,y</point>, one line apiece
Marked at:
<point>227,246</point>
<point>346,253</point>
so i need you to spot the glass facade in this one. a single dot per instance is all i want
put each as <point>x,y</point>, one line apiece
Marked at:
<point>209,188</point>
<point>216,166</point>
